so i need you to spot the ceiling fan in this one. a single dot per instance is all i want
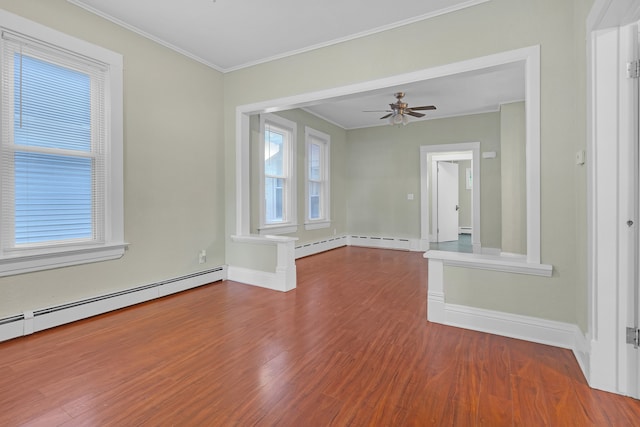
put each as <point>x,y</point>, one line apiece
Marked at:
<point>400,110</point>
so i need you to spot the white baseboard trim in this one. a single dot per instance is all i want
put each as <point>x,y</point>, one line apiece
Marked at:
<point>527,328</point>
<point>263,279</point>
<point>604,368</point>
<point>397,243</point>
<point>582,352</point>
<point>549,332</point>
<point>313,248</point>
<point>49,317</point>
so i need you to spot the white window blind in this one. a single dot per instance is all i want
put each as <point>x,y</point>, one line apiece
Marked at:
<point>52,153</point>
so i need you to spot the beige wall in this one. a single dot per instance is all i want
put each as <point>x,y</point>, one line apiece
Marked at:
<point>580,172</point>
<point>491,27</point>
<point>173,167</point>
<point>384,166</point>
<point>513,174</point>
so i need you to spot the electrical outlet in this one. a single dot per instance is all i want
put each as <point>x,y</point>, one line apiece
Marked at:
<point>202,256</point>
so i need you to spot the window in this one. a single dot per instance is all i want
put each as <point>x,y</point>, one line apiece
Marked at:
<point>317,175</point>
<point>60,149</point>
<point>278,187</point>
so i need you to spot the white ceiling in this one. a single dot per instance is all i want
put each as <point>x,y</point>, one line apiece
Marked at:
<point>460,94</point>
<point>232,34</point>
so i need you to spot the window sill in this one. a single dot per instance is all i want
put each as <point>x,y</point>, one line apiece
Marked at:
<point>278,229</point>
<point>262,239</point>
<point>505,264</point>
<point>61,258</point>
<point>316,225</point>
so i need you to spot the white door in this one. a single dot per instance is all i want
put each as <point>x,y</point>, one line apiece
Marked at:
<point>636,253</point>
<point>633,317</point>
<point>633,227</point>
<point>447,188</point>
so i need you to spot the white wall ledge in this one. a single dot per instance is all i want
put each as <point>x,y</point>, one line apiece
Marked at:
<point>61,257</point>
<point>267,239</point>
<point>284,279</point>
<point>316,225</point>
<point>506,264</point>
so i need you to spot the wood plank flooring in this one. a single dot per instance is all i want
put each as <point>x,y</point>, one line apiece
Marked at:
<point>349,347</point>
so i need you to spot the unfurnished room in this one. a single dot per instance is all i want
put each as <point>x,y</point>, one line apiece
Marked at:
<point>252,213</point>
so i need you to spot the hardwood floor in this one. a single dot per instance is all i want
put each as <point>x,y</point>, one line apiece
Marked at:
<point>349,347</point>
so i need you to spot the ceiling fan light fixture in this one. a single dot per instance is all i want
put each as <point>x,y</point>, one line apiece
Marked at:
<point>400,111</point>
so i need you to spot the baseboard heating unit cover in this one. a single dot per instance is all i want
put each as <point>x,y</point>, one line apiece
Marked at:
<point>49,317</point>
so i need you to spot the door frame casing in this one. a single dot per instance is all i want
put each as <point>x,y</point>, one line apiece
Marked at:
<point>435,158</point>
<point>425,179</point>
<point>610,135</point>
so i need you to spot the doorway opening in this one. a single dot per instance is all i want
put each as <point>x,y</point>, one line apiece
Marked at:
<point>450,185</point>
<point>451,202</point>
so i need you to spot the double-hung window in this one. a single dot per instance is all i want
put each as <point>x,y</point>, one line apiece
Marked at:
<point>317,176</point>
<point>60,149</point>
<point>278,186</point>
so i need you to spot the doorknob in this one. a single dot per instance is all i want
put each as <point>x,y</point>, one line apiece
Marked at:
<point>457,207</point>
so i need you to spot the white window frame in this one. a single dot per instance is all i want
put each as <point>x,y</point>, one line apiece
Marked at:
<point>112,246</point>
<point>312,136</point>
<point>290,217</point>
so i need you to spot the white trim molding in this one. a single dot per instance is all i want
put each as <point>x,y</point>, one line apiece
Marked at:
<point>317,225</point>
<point>543,331</point>
<point>322,140</point>
<point>283,279</point>
<point>533,329</point>
<point>261,279</point>
<point>289,132</point>
<point>558,334</point>
<point>499,262</point>
<point>23,259</point>
<point>470,150</point>
<point>531,56</point>
<point>258,61</point>
<point>611,118</point>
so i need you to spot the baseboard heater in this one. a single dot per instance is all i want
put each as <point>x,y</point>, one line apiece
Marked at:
<point>313,248</point>
<point>11,319</point>
<point>382,242</point>
<point>37,320</point>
